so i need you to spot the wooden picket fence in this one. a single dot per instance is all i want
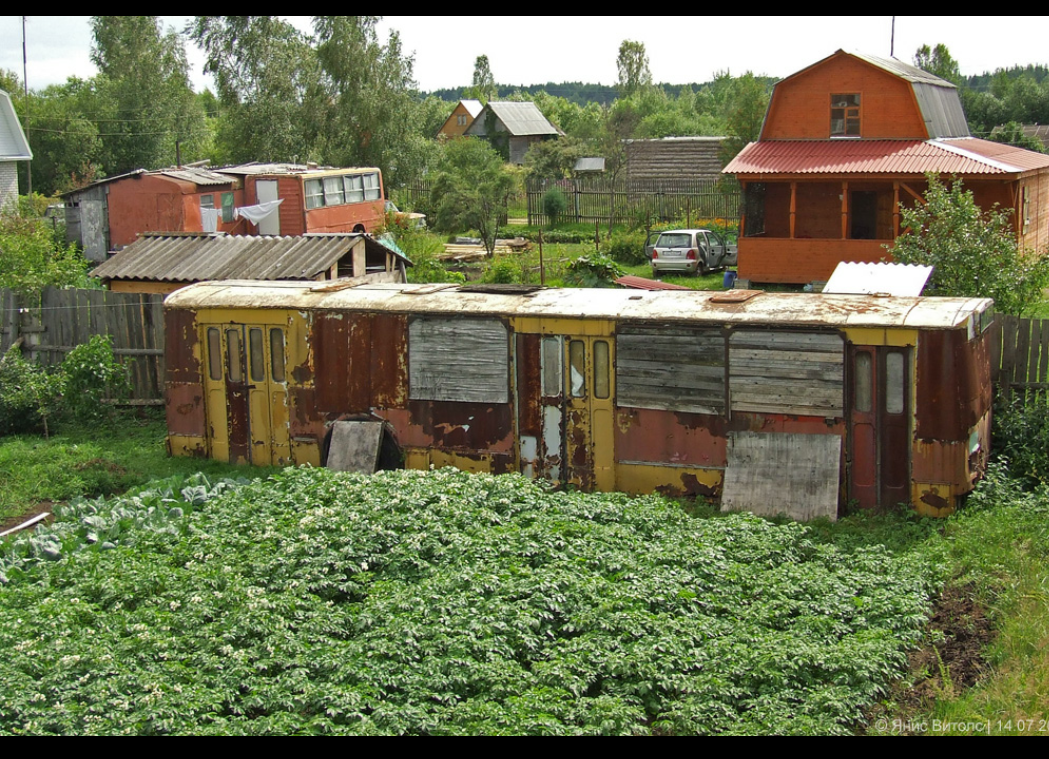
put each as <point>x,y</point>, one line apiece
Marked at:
<point>1020,355</point>
<point>50,326</point>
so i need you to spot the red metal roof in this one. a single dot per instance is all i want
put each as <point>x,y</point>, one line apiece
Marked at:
<point>640,283</point>
<point>955,156</point>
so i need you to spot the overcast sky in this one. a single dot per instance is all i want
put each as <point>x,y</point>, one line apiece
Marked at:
<point>539,49</point>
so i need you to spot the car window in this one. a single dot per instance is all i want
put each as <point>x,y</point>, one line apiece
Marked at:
<point>674,241</point>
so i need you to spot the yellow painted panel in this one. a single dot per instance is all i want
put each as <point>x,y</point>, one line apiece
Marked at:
<point>901,338</point>
<point>304,453</point>
<point>187,445</point>
<point>865,336</point>
<point>424,458</point>
<point>932,499</point>
<point>641,479</point>
<point>577,327</point>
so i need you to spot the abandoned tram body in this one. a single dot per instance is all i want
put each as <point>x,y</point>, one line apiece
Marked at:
<point>804,404</point>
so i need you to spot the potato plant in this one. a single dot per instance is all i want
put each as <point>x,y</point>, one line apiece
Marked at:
<point>440,603</point>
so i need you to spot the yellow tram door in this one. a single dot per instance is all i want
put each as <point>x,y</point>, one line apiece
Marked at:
<point>246,390</point>
<point>589,454</point>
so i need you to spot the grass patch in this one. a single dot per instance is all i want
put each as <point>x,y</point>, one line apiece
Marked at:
<point>93,461</point>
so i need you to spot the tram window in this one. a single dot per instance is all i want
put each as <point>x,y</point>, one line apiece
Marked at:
<point>895,398</point>
<point>214,355</point>
<point>601,370</point>
<point>258,357</point>
<point>577,368</point>
<point>233,355</point>
<point>277,355</point>
<point>862,384</point>
<point>552,367</point>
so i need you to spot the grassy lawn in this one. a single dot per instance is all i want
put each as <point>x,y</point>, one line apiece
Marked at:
<point>93,461</point>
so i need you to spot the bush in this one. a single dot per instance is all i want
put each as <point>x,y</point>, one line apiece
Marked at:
<point>92,373</point>
<point>555,204</point>
<point>626,247</point>
<point>1021,437</point>
<point>29,395</point>
<point>504,270</point>
<point>593,271</point>
<point>31,259</point>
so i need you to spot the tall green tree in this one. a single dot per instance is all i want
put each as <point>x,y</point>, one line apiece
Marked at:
<point>470,189</point>
<point>632,68</point>
<point>938,61</point>
<point>269,85</point>
<point>483,87</point>
<point>371,92</point>
<point>148,115</point>
<point>744,113</point>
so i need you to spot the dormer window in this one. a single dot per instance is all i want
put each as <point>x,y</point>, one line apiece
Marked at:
<point>845,115</point>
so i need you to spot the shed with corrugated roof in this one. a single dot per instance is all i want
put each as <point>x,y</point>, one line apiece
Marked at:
<point>163,263</point>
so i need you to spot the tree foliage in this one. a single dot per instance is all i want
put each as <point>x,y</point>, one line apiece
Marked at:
<point>31,258</point>
<point>483,87</point>
<point>470,189</point>
<point>973,253</point>
<point>938,61</point>
<point>632,68</point>
<point>144,85</point>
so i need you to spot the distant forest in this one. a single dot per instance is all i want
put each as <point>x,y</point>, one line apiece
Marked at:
<point>579,93</point>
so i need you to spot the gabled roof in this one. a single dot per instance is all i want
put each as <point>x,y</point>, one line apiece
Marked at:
<point>517,119</point>
<point>941,108</point>
<point>473,107</point>
<point>202,257</point>
<point>198,175</point>
<point>13,143</point>
<point>961,156</point>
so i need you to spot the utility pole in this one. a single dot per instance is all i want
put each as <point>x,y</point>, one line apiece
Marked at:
<point>25,91</point>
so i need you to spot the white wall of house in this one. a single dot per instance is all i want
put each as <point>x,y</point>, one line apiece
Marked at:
<point>8,183</point>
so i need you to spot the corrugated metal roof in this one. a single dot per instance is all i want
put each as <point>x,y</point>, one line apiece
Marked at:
<point>197,257</point>
<point>13,143</point>
<point>589,164</point>
<point>848,156</point>
<point>692,307</point>
<point>195,174</point>
<point>941,109</point>
<point>519,119</point>
<point>902,70</point>
<point>870,279</point>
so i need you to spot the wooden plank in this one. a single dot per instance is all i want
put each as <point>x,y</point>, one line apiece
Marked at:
<point>996,348</point>
<point>1023,341</point>
<point>1009,325</point>
<point>1043,359</point>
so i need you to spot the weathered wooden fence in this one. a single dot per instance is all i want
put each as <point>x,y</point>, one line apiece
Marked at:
<point>1020,356</point>
<point>59,320</point>
<point>598,199</point>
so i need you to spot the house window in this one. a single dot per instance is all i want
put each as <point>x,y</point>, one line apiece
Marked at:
<point>207,201</point>
<point>461,120</point>
<point>845,115</point>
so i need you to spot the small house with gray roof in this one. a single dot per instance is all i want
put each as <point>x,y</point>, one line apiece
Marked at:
<point>512,128</point>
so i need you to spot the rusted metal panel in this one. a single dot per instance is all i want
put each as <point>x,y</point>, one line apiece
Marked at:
<point>389,357</point>
<point>182,349</point>
<point>330,344</point>
<point>655,437</point>
<point>529,386</point>
<point>185,409</point>
<point>954,388</point>
<point>475,427</point>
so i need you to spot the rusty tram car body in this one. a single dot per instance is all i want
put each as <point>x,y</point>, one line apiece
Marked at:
<point>806,404</point>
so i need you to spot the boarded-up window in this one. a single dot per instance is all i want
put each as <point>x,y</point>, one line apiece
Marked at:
<point>787,373</point>
<point>465,360</point>
<point>675,369</point>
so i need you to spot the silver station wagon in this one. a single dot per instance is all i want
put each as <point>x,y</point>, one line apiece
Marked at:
<point>690,251</point>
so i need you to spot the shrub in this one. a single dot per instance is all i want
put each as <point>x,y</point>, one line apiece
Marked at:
<point>555,204</point>
<point>92,374</point>
<point>626,247</point>
<point>29,395</point>
<point>1021,437</point>
<point>593,271</point>
<point>504,270</point>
